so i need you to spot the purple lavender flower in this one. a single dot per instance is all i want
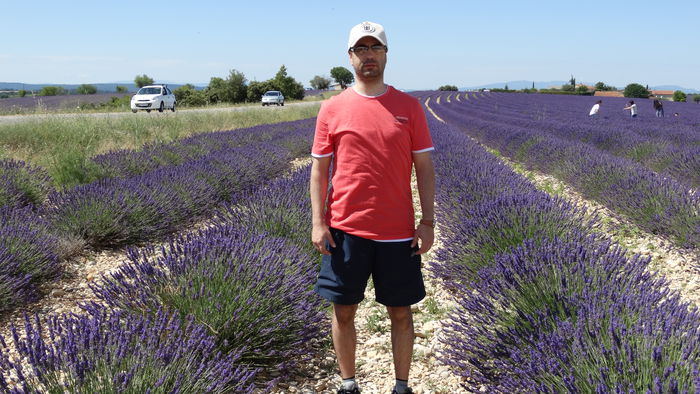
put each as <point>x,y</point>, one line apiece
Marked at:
<point>119,352</point>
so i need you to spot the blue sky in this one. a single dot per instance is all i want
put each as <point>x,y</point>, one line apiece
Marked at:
<point>431,43</point>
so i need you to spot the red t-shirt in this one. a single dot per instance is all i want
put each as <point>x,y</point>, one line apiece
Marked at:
<point>372,140</point>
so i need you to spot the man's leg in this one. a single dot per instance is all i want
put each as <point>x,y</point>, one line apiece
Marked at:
<point>345,338</point>
<point>401,339</point>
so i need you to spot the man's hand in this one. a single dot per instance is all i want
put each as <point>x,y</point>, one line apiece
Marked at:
<point>426,235</point>
<point>319,235</point>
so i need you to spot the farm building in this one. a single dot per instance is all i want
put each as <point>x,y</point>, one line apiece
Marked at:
<point>611,93</point>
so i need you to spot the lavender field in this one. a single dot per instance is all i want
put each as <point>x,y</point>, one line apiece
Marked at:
<point>545,301</point>
<point>29,104</point>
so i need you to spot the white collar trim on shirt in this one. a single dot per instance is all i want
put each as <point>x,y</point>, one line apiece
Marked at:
<point>386,90</point>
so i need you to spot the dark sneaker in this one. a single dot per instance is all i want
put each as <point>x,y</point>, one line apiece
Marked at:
<point>407,392</point>
<point>344,391</point>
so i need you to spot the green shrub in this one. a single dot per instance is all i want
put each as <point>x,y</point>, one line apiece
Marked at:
<point>52,91</point>
<point>679,96</point>
<point>448,88</point>
<point>86,89</point>
<point>187,95</point>
<point>635,90</point>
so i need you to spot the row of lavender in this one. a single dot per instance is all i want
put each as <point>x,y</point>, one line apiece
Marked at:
<point>214,311</point>
<point>544,303</point>
<point>159,197</point>
<point>658,204</point>
<point>22,184</point>
<point>666,145</point>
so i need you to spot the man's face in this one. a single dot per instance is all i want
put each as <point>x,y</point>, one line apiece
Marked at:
<point>370,65</point>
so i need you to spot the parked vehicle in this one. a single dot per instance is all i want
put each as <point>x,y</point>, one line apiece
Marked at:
<point>150,97</point>
<point>272,97</point>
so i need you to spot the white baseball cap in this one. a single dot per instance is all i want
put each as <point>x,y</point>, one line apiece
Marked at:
<point>366,29</point>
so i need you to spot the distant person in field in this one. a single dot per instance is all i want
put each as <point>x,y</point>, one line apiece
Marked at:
<point>659,108</point>
<point>632,107</point>
<point>364,224</point>
<point>595,108</point>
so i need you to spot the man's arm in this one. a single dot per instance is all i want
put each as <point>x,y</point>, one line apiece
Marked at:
<point>318,187</point>
<point>425,177</point>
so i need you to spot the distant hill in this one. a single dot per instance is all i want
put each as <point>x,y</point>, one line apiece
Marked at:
<point>517,85</point>
<point>101,87</point>
<point>544,85</point>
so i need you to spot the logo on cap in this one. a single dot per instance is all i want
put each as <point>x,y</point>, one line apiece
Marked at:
<point>368,28</point>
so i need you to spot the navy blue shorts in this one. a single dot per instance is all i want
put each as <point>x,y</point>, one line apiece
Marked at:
<point>394,266</point>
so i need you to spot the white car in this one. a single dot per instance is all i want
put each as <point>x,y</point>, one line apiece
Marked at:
<point>272,97</point>
<point>150,97</point>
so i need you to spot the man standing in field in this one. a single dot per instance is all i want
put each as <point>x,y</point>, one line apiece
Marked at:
<point>373,134</point>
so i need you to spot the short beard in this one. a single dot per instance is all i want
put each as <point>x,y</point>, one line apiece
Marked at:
<point>369,76</point>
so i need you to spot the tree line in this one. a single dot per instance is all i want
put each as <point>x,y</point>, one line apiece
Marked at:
<point>237,89</point>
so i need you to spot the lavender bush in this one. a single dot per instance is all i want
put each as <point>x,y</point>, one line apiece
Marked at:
<point>27,256</point>
<point>119,211</point>
<point>294,136</point>
<point>281,209</point>
<point>121,353</point>
<point>251,290</point>
<point>572,317</point>
<point>658,204</point>
<point>22,184</point>
<point>665,145</point>
<point>489,208</point>
<point>548,312</point>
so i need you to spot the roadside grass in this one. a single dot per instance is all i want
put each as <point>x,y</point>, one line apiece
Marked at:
<point>64,145</point>
<point>323,96</point>
<point>122,106</point>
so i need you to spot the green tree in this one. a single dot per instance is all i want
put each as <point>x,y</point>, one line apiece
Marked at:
<point>679,96</point>
<point>122,89</point>
<point>289,87</point>
<point>342,75</point>
<point>572,82</point>
<point>256,89</point>
<point>230,90</point>
<point>452,88</point>
<point>216,90</point>
<point>582,89</point>
<point>236,87</point>
<point>696,98</point>
<point>86,89</point>
<point>319,82</point>
<point>603,87</point>
<point>143,80</point>
<point>636,90</point>
<point>52,91</point>
<point>567,88</point>
<point>505,88</point>
<point>22,93</point>
<point>187,95</point>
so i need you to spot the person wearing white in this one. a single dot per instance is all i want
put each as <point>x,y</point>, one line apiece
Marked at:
<point>633,108</point>
<point>595,108</point>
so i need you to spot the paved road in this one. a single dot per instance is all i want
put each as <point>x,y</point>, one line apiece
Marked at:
<point>13,119</point>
